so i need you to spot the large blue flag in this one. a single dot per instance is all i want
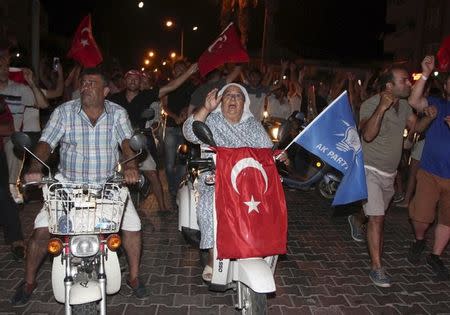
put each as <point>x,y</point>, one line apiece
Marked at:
<point>333,137</point>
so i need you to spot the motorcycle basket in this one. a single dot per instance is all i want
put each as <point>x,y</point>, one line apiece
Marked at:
<point>84,208</point>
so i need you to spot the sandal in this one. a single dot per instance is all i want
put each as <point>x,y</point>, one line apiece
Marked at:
<point>207,274</point>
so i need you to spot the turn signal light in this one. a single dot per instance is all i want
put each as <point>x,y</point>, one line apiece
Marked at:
<point>113,242</point>
<point>55,246</point>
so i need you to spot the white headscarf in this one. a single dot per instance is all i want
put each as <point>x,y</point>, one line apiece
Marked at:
<point>246,113</point>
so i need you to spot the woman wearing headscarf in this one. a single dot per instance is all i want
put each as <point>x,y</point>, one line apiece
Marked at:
<point>227,114</point>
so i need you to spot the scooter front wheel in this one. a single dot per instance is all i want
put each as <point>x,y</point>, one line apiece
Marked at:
<point>254,303</point>
<point>327,189</point>
<point>85,309</point>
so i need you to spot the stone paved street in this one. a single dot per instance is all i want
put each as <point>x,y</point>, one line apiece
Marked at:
<point>324,272</point>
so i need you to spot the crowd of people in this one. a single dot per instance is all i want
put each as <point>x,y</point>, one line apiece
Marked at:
<point>93,117</point>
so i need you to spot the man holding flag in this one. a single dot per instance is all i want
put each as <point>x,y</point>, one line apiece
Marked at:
<point>383,118</point>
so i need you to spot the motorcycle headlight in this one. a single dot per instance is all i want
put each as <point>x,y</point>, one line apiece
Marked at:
<point>84,245</point>
<point>274,132</point>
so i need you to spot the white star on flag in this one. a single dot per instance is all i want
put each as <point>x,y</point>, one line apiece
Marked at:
<point>84,42</point>
<point>252,205</point>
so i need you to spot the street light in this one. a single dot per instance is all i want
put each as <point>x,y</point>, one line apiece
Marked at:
<point>141,4</point>
<point>173,55</point>
<point>146,62</point>
<point>151,54</point>
<point>169,24</point>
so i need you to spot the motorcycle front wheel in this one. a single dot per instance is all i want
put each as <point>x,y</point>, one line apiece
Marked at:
<point>254,303</point>
<point>327,189</point>
<point>85,309</point>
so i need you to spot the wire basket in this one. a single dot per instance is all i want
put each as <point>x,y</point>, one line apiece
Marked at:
<point>84,208</point>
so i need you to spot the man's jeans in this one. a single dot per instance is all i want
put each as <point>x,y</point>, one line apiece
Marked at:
<point>174,170</point>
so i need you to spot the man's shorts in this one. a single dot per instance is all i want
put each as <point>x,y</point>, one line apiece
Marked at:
<point>147,163</point>
<point>130,221</point>
<point>380,190</point>
<point>431,191</point>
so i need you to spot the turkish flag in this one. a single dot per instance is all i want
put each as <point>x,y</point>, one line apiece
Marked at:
<point>443,55</point>
<point>226,48</point>
<point>84,48</point>
<point>250,204</point>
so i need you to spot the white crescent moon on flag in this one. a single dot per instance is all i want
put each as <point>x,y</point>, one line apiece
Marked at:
<point>222,38</point>
<point>244,163</point>
<point>86,29</point>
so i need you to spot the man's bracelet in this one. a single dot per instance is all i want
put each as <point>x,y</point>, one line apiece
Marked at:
<point>424,77</point>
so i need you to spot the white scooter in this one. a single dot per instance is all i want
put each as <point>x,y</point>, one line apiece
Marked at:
<point>251,278</point>
<point>84,220</point>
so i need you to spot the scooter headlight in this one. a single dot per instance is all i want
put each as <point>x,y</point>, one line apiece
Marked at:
<point>84,245</point>
<point>274,132</point>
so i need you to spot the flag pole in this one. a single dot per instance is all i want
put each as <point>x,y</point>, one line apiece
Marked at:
<point>310,124</point>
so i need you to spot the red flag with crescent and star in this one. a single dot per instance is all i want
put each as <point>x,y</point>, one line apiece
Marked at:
<point>250,204</point>
<point>226,48</point>
<point>84,48</point>
<point>443,55</point>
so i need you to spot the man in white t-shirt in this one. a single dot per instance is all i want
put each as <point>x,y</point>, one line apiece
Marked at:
<point>23,102</point>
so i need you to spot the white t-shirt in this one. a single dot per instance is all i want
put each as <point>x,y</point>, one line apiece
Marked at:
<point>21,102</point>
<point>257,105</point>
<point>277,109</point>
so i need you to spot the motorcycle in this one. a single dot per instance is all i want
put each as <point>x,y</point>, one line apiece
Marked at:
<point>251,278</point>
<point>84,220</point>
<point>141,190</point>
<point>307,171</point>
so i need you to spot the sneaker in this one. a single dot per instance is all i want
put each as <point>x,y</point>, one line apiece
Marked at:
<point>398,197</point>
<point>435,262</point>
<point>380,278</point>
<point>415,251</point>
<point>138,289</point>
<point>357,231</point>
<point>23,294</point>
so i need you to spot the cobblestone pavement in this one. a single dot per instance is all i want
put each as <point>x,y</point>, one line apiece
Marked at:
<point>324,272</point>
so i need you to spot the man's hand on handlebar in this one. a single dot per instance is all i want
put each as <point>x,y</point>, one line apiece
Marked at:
<point>131,175</point>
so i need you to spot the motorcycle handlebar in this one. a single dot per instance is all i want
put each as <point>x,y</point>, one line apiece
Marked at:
<point>201,162</point>
<point>44,181</point>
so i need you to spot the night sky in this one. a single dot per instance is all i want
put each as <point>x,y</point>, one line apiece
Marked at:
<point>348,31</point>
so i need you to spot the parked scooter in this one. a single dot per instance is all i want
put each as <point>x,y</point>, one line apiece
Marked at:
<point>251,278</point>
<point>84,220</point>
<point>306,171</point>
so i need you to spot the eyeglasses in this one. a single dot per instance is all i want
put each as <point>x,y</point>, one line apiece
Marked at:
<point>238,97</point>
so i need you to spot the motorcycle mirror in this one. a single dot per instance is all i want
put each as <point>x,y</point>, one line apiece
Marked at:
<point>148,114</point>
<point>21,140</point>
<point>138,141</point>
<point>203,133</point>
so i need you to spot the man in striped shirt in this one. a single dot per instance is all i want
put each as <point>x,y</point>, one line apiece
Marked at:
<point>89,131</point>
